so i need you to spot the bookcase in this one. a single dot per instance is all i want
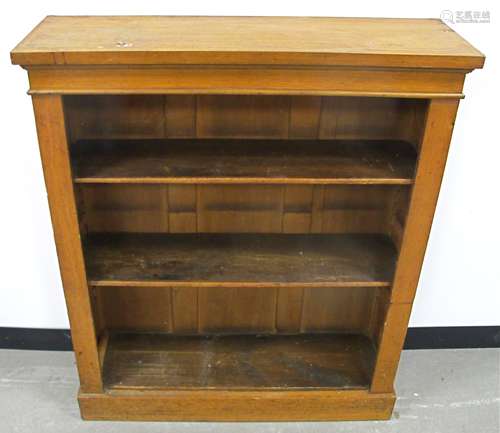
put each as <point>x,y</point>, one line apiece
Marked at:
<point>241,205</point>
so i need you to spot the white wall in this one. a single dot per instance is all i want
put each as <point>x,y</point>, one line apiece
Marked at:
<point>460,283</point>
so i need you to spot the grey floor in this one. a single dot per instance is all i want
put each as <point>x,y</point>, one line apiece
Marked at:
<point>456,391</point>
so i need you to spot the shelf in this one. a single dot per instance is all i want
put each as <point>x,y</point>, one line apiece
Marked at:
<point>162,362</point>
<point>239,260</point>
<point>245,161</point>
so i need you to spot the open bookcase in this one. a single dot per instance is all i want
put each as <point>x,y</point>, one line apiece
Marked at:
<point>232,249</point>
<point>241,241</point>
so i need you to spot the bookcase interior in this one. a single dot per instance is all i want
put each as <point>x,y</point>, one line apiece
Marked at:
<point>236,241</point>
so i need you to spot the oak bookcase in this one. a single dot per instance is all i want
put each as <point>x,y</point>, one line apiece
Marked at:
<point>241,205</point>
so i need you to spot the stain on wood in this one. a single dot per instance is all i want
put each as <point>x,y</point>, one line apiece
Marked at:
<point>240,259</point>
<point>162,362</point>
<point>245,161</point>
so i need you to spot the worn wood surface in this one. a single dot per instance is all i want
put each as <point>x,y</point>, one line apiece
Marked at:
<point>53,143</point>
<point>420,43</point>
<point>162,362</point>
<point>238,260</point>
<point>245,161</point>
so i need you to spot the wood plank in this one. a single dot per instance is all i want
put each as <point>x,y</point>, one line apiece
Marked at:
<point>240,260</point>
<point>53,143</point>
<point>180,116</point>
<point>136,308</point>
<point>243,208</point>
<point>245,161</point>
<point>233,310</point>
<point>294,117</point>
<point>390,346</point>
<point>163,362</point>
<point>115,116</point>
<point>242,116</point>
<point>297,208</point>
<point>430,170</point>
<point>185,306</point>
<point>182,216</point>
<point>225,80</point>
<point>289,309</point>
<point>240,208</point>
<point>433,152</point>
<point>347,309</point>
<point>125,208</point>
<point>357,208</point>
<point>305,113</point>
<point>213,405</point>
<point>371,42</point>
<point>362,118</point>
<point>237,310</point>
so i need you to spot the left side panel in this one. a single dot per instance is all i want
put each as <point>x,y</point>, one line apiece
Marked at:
<point>52,138</point>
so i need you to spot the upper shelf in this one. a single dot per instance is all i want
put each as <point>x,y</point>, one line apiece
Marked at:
<point>245,161</point>
<point>157,40</point>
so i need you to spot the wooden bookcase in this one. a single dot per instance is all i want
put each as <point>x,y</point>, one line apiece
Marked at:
<point>241,206</point>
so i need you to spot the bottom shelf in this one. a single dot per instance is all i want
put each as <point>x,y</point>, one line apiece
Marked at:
<point>313,361</point>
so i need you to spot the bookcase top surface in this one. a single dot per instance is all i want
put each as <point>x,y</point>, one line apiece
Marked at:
<point>313,41</point>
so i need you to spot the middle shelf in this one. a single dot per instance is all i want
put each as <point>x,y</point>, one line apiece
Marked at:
<point>204,161</point>
<point>240,260</point>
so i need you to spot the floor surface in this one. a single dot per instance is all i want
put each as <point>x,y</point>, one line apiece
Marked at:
<point>439,391</point>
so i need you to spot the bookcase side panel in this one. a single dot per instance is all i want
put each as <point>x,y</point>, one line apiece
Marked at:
<point>432,159</point>
<point>430,169</point>
<point>49,116</point>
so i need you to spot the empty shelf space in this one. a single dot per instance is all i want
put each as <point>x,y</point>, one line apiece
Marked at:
<point>240,260</point>
<point>162,362</point>
<point>244,161</point>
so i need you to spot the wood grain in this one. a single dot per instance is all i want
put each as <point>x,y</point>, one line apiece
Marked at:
<point>228,405</point>
<point>240,260</point>
<point>391,343</point>
<point>159,40</point>
<point>261,208</point>
<point>137,308</point>
<point>237,311</point>
<point>245,161</point>
<point>434,150</point>
<point>118,116</point>
<point>343,309</point>
<point>129,208</point>
<point>242,116</point>
<point>161,362</point>
<point>57,171</point>
<point>294,117</point>
<point>233,310</point>
<point>239,208</point>
<point>222,80</point>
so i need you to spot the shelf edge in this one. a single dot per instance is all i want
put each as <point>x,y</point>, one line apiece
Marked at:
<point>246,180</point>
<point>237,284</point>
